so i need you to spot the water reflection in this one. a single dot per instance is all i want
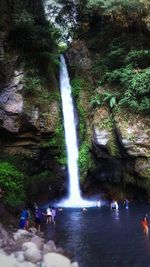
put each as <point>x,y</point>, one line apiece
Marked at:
<point>115,215</point>
<point>103,237</point>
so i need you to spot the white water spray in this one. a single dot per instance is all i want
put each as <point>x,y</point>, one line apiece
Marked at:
<point>74,199</point>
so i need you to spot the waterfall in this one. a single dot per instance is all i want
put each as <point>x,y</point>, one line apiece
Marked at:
<point>74,199</point>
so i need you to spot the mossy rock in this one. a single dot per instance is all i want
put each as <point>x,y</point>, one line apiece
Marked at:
<point>142,167</point>
<point>134,132</point>
<point>104,123</point>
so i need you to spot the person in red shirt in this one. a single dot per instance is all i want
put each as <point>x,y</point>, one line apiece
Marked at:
<point>145,225</point>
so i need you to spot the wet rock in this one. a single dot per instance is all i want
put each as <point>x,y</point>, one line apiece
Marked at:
<point>56,260</point>
<point>19,256</point>
<point>104,138</point>
<point>33,230</point>
<point>21,233</point>
<point>101,137</point>
<point>49,247</point>
<point>75,264</point>
<point>142,167</point>
<point>33,254</point>
<point>8,261</point>
<point>134,134</point>
<point>38,242</point>
<point>28,245</point>
<point>59,250</point>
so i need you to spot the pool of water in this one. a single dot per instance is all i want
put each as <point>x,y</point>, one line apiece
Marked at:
<point>100,237</point>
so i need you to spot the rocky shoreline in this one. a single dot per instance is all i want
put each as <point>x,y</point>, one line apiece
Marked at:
<point>28,249</point>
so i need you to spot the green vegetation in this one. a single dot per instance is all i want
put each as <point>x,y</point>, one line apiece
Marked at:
<point>84,160</point>
<point>36,40</point>
<point>121,11</point>
<point>78,85</point>
<point>32,85</point>
<point>12,182</point>
<point>122,58</point>
<point>100,99</point>
<point>57,142</point>
<point>127,73</point>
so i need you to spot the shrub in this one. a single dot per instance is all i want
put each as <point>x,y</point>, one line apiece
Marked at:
<point>84,159</point>
<point>96,101</point>
<point>12,182</point>
<point>32,85</point>
<point>77,85</point>
<point>138,58</point>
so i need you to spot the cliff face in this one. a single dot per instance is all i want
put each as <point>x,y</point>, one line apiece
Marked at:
<point>29,115</point>
<point>114,141</point>
<point>119,138</point>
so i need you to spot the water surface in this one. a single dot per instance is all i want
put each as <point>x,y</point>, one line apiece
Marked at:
<point>100,237</point>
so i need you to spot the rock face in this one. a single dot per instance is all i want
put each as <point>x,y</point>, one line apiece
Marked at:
<point>134,133</point>
<point>28,118</point>
<point>120,140</point>
<point>121,146</point>
<point>79,59</point>
<point>17,116</point>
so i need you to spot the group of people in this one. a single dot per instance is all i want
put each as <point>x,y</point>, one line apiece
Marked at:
<point>114,204</point>
<point>144,221</point>
<point>50,215</point>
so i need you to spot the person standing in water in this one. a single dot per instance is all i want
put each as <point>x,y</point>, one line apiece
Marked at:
<point>38,218</point>
<point>98,203</point>
<point>53,210</point>
<point>114,205</point>
<point>126,203</point>
<point>145,225</point>
<point>49,215</point>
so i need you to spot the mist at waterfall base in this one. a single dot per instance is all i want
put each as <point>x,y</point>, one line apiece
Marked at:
<point>74,199</point>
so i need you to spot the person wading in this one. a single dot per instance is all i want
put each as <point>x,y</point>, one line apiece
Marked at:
<point>49,215</point>
<point>145,225</point>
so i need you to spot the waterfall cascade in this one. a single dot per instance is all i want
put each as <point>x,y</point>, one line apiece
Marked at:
<point>53,10</point>
<point>74,199</point>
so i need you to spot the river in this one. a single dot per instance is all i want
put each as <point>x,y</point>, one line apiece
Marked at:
<point>100,237</point>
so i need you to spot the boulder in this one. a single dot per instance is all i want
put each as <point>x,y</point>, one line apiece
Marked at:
<point>103,137</point>
<point>19,256</point>
<point>38,242</point>
<point>75,264</point>
<point>33,254</point>
<point>49,247</point>
<point>21,233</point>
<point>8,261</point>
<point>28,245</point>
<point>56,260</point>
<point>134,134</point>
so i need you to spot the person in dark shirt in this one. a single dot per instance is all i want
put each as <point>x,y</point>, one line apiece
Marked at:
<point>38,218</point>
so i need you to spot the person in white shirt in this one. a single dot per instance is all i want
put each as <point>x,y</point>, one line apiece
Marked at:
<point>98,203</point>
<point>114,205</point>
<point>49,215</point>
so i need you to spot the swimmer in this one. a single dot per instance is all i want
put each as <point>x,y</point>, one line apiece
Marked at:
<point>98,204</point>
<point>84,209</point>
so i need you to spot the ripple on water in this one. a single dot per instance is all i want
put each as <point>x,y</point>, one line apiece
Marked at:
<point>102,237</point>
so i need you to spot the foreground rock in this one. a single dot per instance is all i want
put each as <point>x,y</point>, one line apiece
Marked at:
<point>27,249</point>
